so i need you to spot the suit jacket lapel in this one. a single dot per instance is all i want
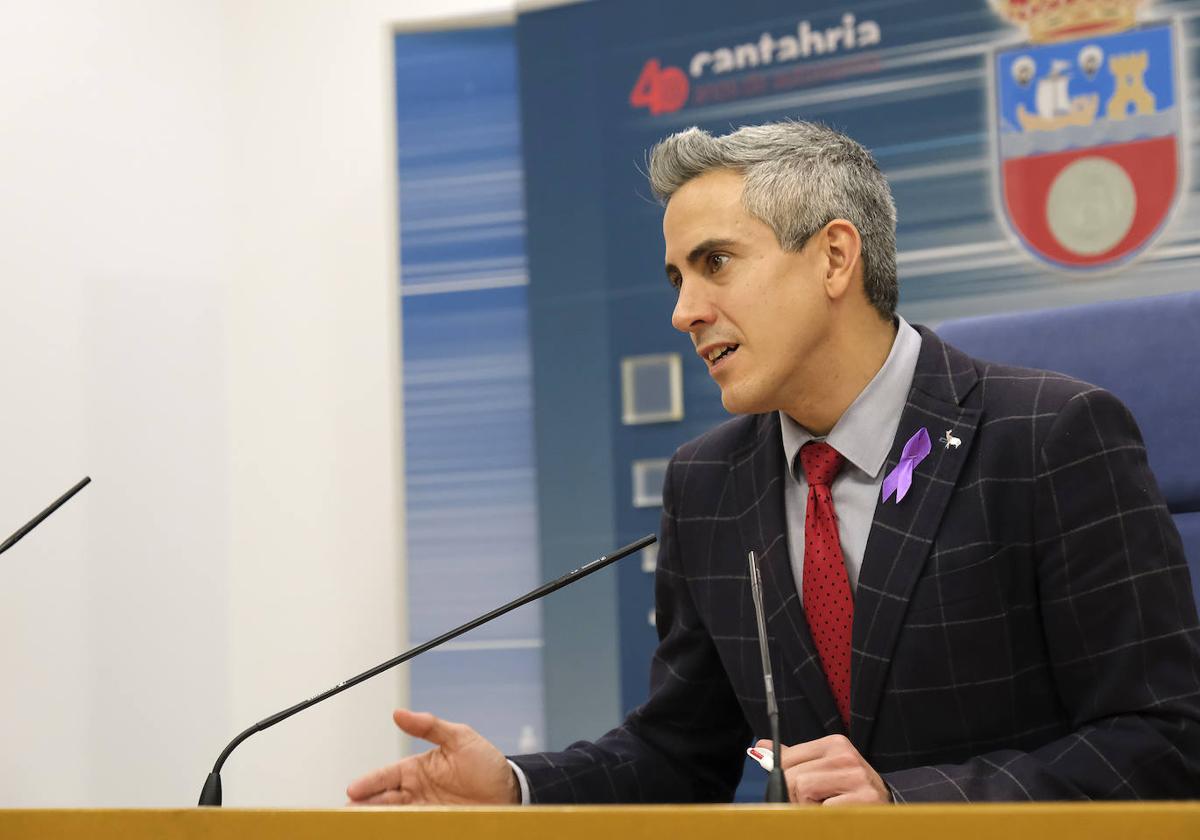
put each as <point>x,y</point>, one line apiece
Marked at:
<point>903,532</point>
<point>758,476</point>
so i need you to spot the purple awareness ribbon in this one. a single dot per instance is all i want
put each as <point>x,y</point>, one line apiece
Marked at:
<point>900,479</point>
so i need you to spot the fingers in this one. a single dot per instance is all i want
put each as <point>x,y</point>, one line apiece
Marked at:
<point>829,771</point>
<point>430,728</point>
<point>377,782</point>
<point>818,781</point>
<point>388,797</point>
<point>858,797</point>
<point>813,750</point>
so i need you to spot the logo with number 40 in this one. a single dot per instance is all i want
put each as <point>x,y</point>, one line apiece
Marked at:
<point>660,89</point>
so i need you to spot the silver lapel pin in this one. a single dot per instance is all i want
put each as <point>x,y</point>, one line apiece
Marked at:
<point>950,440</point>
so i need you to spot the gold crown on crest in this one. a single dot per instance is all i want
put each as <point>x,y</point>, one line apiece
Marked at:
<point>1046,21</point>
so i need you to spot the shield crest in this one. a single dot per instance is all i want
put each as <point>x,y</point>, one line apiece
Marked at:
<point>1087,133</point>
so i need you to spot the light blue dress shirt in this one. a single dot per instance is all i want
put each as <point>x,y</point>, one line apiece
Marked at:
<point>864,435</point>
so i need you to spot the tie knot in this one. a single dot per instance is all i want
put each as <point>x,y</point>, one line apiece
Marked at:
<point>820,463</point>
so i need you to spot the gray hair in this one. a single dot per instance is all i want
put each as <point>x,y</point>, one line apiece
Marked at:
<point>799,176</point>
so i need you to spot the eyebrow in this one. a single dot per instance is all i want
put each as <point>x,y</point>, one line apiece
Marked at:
<point>698,253</point>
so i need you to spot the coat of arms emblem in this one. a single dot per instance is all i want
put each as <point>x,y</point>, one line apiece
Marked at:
<point>1087,129</point>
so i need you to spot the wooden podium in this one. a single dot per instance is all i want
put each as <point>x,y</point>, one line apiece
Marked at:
<point>1162,821</point>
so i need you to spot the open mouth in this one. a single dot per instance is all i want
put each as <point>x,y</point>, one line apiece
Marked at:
<point>719,353</point>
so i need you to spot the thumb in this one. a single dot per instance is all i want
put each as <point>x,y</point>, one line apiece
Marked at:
<point>427,727</point>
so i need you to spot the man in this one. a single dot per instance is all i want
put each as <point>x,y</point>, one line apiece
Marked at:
<point>972,586</point>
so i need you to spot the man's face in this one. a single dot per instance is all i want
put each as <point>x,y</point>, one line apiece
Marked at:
<point>756,313</point>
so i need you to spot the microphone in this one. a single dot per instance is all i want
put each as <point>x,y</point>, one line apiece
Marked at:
<point>211,793</point>
<point>37,520</point>
<point>776,789</point>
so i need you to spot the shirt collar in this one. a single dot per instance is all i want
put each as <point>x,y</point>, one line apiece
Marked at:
<point>864,432</point>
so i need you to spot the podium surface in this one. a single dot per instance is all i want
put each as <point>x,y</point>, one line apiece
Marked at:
<point>1060,821</point>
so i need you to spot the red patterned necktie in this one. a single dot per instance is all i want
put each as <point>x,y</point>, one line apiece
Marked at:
<point>828,605</point>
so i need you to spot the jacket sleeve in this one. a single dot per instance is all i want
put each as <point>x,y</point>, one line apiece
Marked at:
<point>685,743</point>
<point>1119,621</point>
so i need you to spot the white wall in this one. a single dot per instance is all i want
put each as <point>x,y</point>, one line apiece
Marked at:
<point>198,268</point>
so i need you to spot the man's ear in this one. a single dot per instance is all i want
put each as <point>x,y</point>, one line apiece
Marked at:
<point>843,257</point>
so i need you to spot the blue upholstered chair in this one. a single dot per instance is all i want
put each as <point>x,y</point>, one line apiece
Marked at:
<point>1146,351</point>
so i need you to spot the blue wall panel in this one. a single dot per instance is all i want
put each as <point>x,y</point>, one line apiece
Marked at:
<point>469,472</point>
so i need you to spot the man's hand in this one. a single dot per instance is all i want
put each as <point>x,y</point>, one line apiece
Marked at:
<point>463,769</point>
<point>829,771</point>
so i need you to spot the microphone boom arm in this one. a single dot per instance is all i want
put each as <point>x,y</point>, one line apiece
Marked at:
<point>211,794</point>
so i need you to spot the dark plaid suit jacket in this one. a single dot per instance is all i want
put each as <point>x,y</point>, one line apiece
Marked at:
<point>1023,628</point>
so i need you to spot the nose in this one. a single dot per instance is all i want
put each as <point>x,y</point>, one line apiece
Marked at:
<point>693,308</point>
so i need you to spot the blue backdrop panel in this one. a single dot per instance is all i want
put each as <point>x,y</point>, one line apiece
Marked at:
<point>602,81</point>
<point>469,472</point>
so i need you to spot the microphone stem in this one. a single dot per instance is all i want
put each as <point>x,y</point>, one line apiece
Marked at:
<point>776,788</point>
<point>776,785</point>
<point>37,520</point>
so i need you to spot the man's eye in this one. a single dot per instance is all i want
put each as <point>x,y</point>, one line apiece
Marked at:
<point>675,280</point>
<point>716,262</point>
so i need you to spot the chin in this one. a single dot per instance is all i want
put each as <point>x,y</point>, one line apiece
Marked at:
<point>738,401</point>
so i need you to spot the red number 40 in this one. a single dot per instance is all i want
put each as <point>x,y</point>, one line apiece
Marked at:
<point>661,89</point>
